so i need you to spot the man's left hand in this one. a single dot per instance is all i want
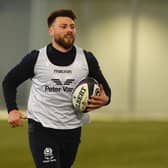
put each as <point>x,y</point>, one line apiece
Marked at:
<point>96,102</point>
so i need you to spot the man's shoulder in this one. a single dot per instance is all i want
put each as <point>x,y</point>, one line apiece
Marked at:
<point>89,55</point>
<point>86,52</point>
<point>30,58</point>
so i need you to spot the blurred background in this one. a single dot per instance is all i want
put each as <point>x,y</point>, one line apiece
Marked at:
<point>128,37</point>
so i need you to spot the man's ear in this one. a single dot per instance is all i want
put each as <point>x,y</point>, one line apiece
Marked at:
<point>50,31</point>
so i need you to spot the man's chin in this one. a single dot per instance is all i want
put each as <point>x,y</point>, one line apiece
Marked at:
<point>66,43</point>
<point>67,46</point>
<point>69,41</point>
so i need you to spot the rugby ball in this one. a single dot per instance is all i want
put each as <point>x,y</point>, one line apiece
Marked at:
<point>86,88</point>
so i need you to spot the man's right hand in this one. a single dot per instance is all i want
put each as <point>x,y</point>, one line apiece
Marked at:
<point>15,118</point>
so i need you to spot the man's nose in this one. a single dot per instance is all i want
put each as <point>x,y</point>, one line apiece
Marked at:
<point>70,29</point>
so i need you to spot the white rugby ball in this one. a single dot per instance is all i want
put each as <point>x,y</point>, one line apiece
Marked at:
<point>86,88</point>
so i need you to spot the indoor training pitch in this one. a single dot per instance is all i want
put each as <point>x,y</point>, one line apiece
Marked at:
<point>104,145</point>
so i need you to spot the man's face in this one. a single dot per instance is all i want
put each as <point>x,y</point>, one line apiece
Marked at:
<point>63,32</point>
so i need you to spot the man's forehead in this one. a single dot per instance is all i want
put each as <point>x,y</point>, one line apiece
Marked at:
<point>64,20</point>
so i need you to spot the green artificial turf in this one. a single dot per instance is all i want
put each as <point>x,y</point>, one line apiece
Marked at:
<point>104,145</point>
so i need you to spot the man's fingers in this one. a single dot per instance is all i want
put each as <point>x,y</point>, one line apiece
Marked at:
<point>93,104</point>
<point>17,123</point>
<point>15,118</point>
<point>92,107</point>
<point>23,116</point>
<point>95,100</point>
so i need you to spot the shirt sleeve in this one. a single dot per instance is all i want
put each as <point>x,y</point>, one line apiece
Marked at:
<point>17,75</point>
<point>95,72</point>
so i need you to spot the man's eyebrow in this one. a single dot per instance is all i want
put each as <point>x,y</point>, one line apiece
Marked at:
<point>67,23</point>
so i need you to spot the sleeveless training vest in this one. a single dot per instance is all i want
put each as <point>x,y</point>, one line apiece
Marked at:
<point>50,99</point>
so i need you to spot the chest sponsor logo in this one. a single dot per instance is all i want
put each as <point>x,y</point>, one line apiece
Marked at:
<point>59,86</point>
<point>62,71</point>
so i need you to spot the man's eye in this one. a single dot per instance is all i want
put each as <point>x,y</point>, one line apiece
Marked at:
<point>72,27</point>
<point>63,26</point>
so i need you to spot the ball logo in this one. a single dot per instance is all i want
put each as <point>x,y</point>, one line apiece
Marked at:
<point>80,97</point>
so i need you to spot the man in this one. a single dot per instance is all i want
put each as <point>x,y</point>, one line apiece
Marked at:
<point>54,127</point>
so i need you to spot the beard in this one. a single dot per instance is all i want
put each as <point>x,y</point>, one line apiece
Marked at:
<point>66,42</point>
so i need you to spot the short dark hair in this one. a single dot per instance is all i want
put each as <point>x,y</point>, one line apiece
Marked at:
<point>62,12</point>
